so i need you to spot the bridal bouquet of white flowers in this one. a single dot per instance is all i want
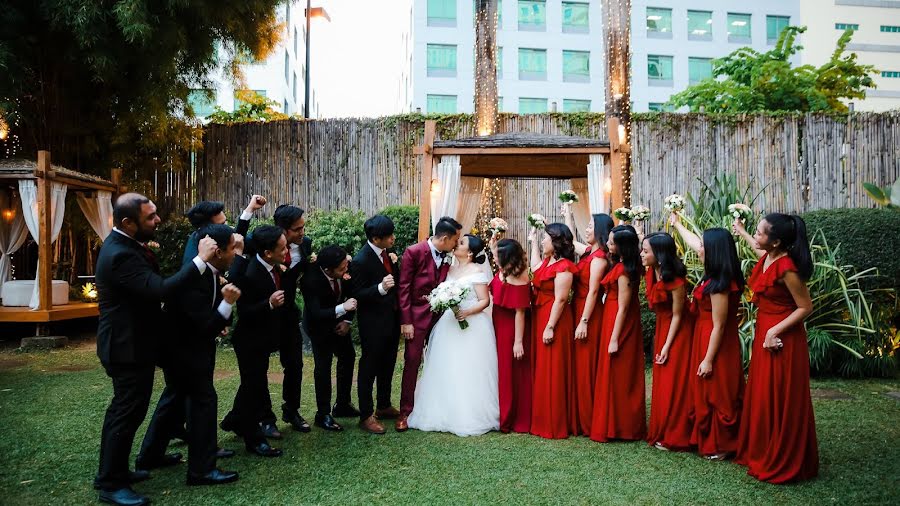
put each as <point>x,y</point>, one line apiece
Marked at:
<point>674,203</point>
<point>740,211</point>
<point>568,197</point>
<point>623,214</point>
<point>497,225</point>
<point>640,213</point>
<point>449,295</point>
<point>537,221</point>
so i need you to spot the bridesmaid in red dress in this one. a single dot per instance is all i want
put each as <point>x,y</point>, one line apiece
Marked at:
<point>552,331</point>
<point>718,386</point>
<point>619,398</point>
<point>778,428</point>
<point>511,293</point>
<point>670,403</point>
<point>588,306</point>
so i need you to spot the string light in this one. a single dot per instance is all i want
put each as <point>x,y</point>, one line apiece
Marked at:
<point>617,34</point>
<point>486,67</point>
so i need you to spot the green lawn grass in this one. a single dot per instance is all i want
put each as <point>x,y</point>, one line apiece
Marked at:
<point>52,405</point>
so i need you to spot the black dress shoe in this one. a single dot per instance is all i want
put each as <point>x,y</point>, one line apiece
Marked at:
<point>264,450</point>
<point>328,422</point>
<point>214,477</point>
<point>223,453</point>
<point>167,460</point>
<point>297,422</point>
<point>133,477</point>
<point>270,431</point>
<point>123,496</point>
<point>227,423</point>
<point>345,411</point>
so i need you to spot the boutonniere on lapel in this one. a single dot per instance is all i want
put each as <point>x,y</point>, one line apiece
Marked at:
<point>446,260</point>
<point>222,281</point>
<point>283,268</point>
<point>153,245</point>
<point>312,258</point>
<point>346,276</point>
<point>394,258</point>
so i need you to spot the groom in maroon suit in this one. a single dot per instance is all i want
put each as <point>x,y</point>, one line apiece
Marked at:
<point>423,268</point>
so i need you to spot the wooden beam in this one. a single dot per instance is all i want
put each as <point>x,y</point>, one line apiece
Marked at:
<point>115,175</point>
<point>525,166</point>
<point>511,150</point>
<point>425,190</point>
<point>45,252</point>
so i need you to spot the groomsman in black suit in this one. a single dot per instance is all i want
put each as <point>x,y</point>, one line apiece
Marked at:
<point>208,212</point>
<point>196,315</point>
<point>262,314</point>
<point>327,314</point>
<point>373,278</point>
<point>130,290</point>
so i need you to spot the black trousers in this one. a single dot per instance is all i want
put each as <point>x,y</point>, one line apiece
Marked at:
<point>252,397</point>
<point>378,360</point>
<point>189,386</point>
<point>326,346</point>
<point>290,352</point>
<point>132,388</point>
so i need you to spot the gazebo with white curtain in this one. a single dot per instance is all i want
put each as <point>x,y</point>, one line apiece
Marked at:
<point>32,197</point>
<point>458,167</point>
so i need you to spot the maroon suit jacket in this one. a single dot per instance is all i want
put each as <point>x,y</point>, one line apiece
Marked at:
<point>418,277</point>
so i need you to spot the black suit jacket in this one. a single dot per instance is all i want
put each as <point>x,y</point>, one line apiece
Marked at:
<point>257,322</point>
<point>378,314</point>
<point>193,242</point>
<point>130,290</point>
<point>289,279</point>
<point>194,321</point>
<point>320,301</point>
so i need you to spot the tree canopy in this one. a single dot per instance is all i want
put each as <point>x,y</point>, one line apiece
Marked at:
<point>749,81</point>
<point>105,83</point>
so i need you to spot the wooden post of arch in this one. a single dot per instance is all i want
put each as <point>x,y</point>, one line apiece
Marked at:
<point>425,190</point>
<point>45,247</point>
<point>617,34</point>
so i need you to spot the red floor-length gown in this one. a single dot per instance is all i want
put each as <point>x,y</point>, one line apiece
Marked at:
<point>619,396</point>
<point>551,379</point>
<point>778,428</point>
<point>514,375</point>
<point>717,398</point>
<point>670,401</point>
<point>584,370</point>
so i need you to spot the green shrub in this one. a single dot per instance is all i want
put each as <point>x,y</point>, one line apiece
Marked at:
<point>406,225</point>
<point>172,235</point>
<point>866,238</point>
<point>342,227</point>
<point>648,324</point>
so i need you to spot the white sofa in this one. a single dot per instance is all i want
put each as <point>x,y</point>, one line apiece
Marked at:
<point>17,293</point>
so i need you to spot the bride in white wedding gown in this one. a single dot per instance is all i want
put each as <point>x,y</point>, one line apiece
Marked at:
<point>458,390</point>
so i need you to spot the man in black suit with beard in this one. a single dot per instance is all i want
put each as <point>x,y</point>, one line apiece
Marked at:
<point>327,314</point>
<point>196,315</point>
<point>373,278</point>
<point>130,290</point>
<point>262,315</point>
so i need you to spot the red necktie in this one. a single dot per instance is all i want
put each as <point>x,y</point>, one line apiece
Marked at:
<point>277,277</point>
<point>336,288</point>
<point>287,258</point>
<point>387,263</point>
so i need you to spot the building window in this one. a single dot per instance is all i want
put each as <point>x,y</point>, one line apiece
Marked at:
<point>532,64</point>
<point>659,23</point>
<point>575,17</point>
<point>499,104</point>
<point>441,12</point>
<point>576,66</point>
<point>441,104</point>
<point>699,69</point>
<point>294,87</point>
<point>659,70</point>
<point>893,74</point>
<point>285,106</point>
<point>699,25</point>
<point>660,107</point>
<point>889,29</point>
<point>238,101</point>
<point>532,105</point>
<point>245,56</point>
<point>739,27</point>
<point>499,62</point>
<point>570,105</point>
<point>846,26</point>
<point>532,15</point>
<point>202,102</point>
<point>287,15</point>
<point>774,27</point>
<point>441,60</point>
<point>295,41</point>
<point>287,67</point>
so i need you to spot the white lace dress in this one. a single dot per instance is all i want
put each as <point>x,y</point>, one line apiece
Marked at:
<point>458,390</point>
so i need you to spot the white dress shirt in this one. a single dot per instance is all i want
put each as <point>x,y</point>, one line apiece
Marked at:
<point>269,267</point>
<point>435,254</point>
<point>225,307</point>
<point>339,310</point>
<point>378,251</point>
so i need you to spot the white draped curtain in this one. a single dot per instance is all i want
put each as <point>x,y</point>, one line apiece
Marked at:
<point>30,211</point>
<point>598,173</point>
<point>12,236</point>
<point>471,191</point>
<point>581,210</point>
<point>444,197</point>
<point>98,211</point>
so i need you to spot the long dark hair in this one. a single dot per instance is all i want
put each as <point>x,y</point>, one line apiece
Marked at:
<point>721,264</point>
<point>666,253</point>
<point>511,257</point>
<point>561,237</point>
<point>603,224</point>
<point>629,253</point>
<point>619,228</point>
<point>791,231</point>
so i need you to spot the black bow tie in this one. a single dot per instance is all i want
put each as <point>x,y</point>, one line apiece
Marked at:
<point>442,254</point>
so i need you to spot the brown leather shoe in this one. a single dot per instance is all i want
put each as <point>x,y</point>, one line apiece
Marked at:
<point>401,424</point>
<point>372,426</point>
<point>388,412</point>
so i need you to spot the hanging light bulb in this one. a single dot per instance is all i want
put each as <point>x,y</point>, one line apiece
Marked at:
<point>607,185</point>
<point>435,187</point>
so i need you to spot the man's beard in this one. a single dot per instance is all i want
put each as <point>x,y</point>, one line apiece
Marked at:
<point>144,235</point>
